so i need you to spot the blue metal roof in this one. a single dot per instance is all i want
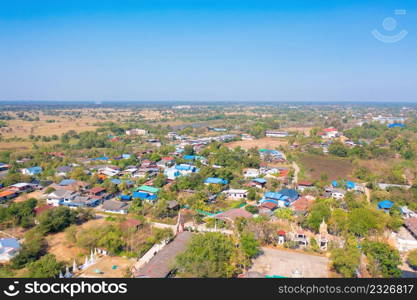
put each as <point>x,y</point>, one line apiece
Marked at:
<point>125,197</point>
<point>396,125</point>
<point>334,183</point>
<point>213,180</point>
<point>290,193</point>
<point>35,170</point>
<point>67,182</point>
<point>350,184</point>
<point>184,167</point>
<point>10,242</point>
<point>259,180</point>
<point>386,204</point>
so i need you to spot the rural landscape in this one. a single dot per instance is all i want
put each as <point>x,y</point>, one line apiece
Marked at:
<point>208,190</point>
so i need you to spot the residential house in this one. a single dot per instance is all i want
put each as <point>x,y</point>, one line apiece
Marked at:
<point>57,197</point>
<point>117,207</point>
<point>136,131</point>
<point>32,171</point>
<point>179,170</point>
<point>251,173</point>
<point>258,182</point>
<point>9,248</point>
<point>276,133</point>
<point>232,214</point>
<point>385,205</point>
<point>304,185</point>
<point>22,187</point>
<point>63,171</point>
<point>214,180</point>
<point>81,201</point>
<point>236,193</point>
<point>7,195</point>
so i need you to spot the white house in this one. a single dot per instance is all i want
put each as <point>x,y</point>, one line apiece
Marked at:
<point>251,173</point>
<point>236,193</point>
<point>109,172</point>
<point>136,131</point>
<point>59,196</point>
<point>274,133</point>
<point>338,193</point>
<point>9,248</point>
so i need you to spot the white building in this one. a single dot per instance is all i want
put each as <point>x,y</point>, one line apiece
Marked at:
<point>251,173</point>
<point>136,131</point>
<point>278,134</point>
<point>236,193</point>
<point>9,248</point>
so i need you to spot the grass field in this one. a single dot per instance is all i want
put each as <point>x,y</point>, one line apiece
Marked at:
<point>267,143</point>
<point>316,165</point>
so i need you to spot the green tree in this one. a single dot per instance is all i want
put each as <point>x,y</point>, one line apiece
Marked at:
<point>46,267</point>
<point>383,258</point>
<point>346,260</point>
<point>208,255</point>
<point>412,259</point>
<point>250,245</point>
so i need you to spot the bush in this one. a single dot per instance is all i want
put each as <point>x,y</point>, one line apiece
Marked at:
<point>412,259</point>
<point>46,267</point>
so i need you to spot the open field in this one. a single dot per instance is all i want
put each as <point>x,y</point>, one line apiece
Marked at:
<point>304,130</point>
<point>267,143</point>
<point>334,168</point>
<point>109,267</point>
<point>274,262</point>
<point>63,249</point>
<point>23,197</point>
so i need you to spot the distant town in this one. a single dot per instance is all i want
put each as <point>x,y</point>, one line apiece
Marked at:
<point>208,190</point>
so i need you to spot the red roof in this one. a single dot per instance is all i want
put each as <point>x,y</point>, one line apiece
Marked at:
<point>234,213</point>
<point>269,205</point>
<point>7,193</point>
<point>41,209</point>
<point>329,129</point>
<point>281,232</point>
<point>302,204</point>
<point>167,158</point>
<point>96,190</point>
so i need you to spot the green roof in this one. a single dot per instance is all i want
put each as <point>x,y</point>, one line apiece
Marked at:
<point>149,189</point>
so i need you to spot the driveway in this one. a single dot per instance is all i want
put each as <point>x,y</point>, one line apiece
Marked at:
<point>284,263</point>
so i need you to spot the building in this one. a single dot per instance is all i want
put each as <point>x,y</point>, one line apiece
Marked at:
<point>58,197</point>
<point>9,248</point>
<point>258,183</point>
<point>7,195</point>
<point>277,134</point>
<point>136,131</point>
<point>179,170</point>
<point>251,173</point>
<point>116,207</point>
<point>385,205</point>
<point>304,185</point>
<point>236,193</point>
<point>214,180</point>
<point>22,187</point>
<point>32,171</point>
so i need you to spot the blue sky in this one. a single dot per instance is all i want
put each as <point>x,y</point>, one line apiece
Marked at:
<point>206,50</point>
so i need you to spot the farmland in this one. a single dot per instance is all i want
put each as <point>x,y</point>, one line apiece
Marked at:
<point>335,168</point>
<point>267,143</point>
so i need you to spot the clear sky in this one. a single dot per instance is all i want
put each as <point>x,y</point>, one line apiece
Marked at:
<point>289,50</point>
